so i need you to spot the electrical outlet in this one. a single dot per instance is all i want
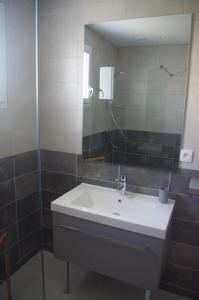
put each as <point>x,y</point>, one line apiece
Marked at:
<point>186,155</point>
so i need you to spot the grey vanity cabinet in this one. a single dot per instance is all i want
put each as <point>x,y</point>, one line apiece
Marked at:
<point>124,255</point>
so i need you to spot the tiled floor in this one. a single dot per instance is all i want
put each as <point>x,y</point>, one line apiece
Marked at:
<point>27,284</point>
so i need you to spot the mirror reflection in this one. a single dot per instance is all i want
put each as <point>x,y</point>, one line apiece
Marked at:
<point>134,90</point>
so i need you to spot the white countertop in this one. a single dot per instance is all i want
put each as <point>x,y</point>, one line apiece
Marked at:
<point>134,212</point>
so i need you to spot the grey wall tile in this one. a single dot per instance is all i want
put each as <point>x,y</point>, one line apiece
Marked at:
<point>48,239</point>
<point>30,245</point>
<point>12,233</point>
<point>28,205</point>
<point>48,197</point>
<point>161,138</point>
<point>7,192</point>
<point>58,162</point>
<point>26,185</point>
<point>103,183</point>
<point>184,255</point>
<point>142,190</point>
<point>47,218</point>
<point>8,215</point>
<point>184,232</point>
<point>29,224</point>
<point>145,177</point>
<point>141,160</point>
<point>57,182</point>
<point>181,276</point>
<point>6,168</point>
<point>186,207</point>
<point>180,180</point>
<point>161,163</point>
<point>14,259</point>
<point>25,163</point>
<point>94,170</point>
<point>179,290</point>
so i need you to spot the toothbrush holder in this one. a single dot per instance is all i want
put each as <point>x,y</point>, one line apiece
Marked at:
<point>164,195</point>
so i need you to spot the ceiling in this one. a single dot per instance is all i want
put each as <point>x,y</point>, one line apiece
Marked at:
<point>164,30</point>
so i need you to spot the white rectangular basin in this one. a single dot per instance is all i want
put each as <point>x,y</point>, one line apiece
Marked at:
<point>134,212</point>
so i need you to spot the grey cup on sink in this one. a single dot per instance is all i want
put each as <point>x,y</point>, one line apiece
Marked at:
<point>164,195</point>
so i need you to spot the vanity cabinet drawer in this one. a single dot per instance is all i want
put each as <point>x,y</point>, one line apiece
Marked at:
<point>120,254</point>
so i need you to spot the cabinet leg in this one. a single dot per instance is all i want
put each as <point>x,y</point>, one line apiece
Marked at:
<point>67,290</point>
<point>147,295</point>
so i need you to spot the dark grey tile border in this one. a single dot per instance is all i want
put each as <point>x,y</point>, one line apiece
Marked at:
<point>17,201</point>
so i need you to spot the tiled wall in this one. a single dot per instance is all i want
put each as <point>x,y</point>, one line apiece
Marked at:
<point>62,171</point>
<point>150,97</point>
<point>18,118</point>
<point>136,148</point>
<point>20,207</point>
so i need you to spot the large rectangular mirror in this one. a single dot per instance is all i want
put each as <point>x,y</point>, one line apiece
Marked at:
<point>134,90</point>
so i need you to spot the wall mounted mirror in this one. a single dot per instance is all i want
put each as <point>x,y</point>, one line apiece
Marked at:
<point>134,90</point>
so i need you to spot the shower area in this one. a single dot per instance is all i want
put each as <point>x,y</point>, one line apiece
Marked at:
<point>21,239</point>
<point>28,269</point>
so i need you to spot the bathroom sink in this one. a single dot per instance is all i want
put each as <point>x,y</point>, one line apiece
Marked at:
<point>133,212</point>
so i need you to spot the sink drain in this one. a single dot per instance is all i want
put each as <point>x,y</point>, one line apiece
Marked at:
<point>116,214</point>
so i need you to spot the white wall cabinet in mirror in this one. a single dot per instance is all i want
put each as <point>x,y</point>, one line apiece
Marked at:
<point>139,68</point>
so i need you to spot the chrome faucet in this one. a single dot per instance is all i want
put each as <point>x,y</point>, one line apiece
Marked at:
<point>122,185</point>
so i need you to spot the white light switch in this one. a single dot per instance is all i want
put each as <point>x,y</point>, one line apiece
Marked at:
<point>186,155</point>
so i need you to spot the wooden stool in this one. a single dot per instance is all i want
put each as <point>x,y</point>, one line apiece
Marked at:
<point>5,249</point>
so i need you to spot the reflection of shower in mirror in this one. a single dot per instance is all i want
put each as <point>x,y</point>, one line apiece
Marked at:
<point>113,117</point>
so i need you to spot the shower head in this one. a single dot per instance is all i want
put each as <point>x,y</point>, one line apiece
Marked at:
<point>166,70</point>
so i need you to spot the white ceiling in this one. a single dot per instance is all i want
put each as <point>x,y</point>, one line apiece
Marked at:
<point>165,30</point>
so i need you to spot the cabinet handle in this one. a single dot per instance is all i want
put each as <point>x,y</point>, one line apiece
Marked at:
<point>135,247</point>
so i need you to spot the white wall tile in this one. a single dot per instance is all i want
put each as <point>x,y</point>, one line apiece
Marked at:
<point>17,120</point>
<point>192,6</point>
<point>58,70</point>
<point>143,8</point>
